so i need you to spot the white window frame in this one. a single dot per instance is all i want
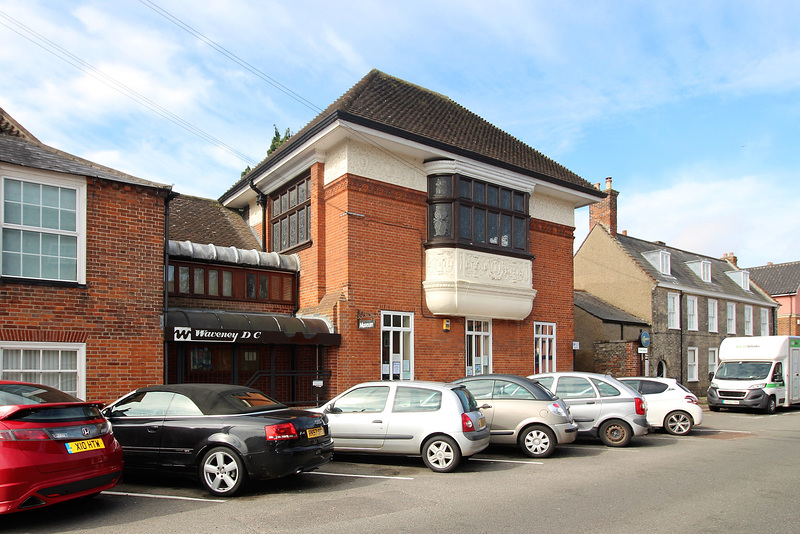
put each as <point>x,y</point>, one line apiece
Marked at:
<point>544,344</point>
<point>692,320</point>
<point>478,344</point>
<point>392,334</point>
<point>731,318</point>
<point>764,321</point>
<point>80,372</point>
<point>713,316</point>
<point>665,263</point>
<point>713,359</point>
<point>674,311</point>
<point>50,179</point>
<point>692,374</point>
<point>748,320</point>
<point>705,267</point>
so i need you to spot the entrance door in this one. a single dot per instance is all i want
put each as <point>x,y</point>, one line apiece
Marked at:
<point>479,347</point>
<point>397,346</point>
<point>544,340</point>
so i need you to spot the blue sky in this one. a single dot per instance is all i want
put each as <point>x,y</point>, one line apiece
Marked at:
<point>692,107</point>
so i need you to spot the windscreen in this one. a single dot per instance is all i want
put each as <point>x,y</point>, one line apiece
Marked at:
<point>16,394</point>
<point>743,370</point>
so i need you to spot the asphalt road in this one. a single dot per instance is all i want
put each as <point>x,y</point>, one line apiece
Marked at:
<point>736,473</point>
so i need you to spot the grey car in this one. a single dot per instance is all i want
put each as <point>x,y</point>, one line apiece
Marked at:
<point>521,412</point>
<point>601,405</point>
<point>440,422</point>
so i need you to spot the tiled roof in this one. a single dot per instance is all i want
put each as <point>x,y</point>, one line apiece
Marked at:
<point>397,107</point>
<point>605,311</point>
<point>779,279</point>
<point>18,147</point>
<point>682,275</point>
<point>202,220</point>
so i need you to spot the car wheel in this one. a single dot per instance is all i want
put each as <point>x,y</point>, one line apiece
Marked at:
<point>615,433</point>
<point>537,441</point>
<point>441,454</point>
<point>772,405</point>
<point>222,471</point>
<point>713,408</point>
<point>678,423</point>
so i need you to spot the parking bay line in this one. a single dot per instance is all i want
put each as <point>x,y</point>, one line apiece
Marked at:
<point>154,496</point>
<point>356,476</point>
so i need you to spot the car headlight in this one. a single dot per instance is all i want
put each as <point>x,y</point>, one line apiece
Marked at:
<point>557,409</point>
<point>760,385</point>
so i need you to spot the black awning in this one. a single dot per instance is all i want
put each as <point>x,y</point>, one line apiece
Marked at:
<point>201,326</point>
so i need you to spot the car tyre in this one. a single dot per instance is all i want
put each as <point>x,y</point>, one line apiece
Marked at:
<point>537,441</point>
<point>222,471</point>
<point>441,454</point>
<point>678,423</point>
<point>772,405</point>
<point>615,433</point>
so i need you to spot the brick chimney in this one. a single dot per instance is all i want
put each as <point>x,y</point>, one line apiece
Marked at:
<point>730,258</point>
<point>605,211</point>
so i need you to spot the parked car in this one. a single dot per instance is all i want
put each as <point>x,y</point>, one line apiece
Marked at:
<point>440,422</point>
<point>601,406</point>
<point>53,447</point>
<point>223,434</point>
<point>670,405</point>
<point>523,413</point>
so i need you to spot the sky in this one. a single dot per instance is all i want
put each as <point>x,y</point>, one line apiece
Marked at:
<point>691,107</point>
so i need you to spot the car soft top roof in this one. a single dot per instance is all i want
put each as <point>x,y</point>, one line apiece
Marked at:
<point>217,399</point>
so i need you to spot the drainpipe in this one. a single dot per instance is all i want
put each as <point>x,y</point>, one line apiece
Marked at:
<point>262,201</point>
<point>680,324</point>
<point>172,195</point>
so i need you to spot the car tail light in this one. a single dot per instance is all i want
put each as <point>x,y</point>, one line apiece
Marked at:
<point>466,423</point>
<point>33,434</point>
<point>280,432</point>
<point>5,435</point>
<point>691,399</point>
<point>640,407</point>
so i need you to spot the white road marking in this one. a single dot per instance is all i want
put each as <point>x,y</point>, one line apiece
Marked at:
<point>356,476</point>
<point>153,496</point>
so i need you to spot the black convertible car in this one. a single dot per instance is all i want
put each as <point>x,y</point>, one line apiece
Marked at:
<point>224,434</point>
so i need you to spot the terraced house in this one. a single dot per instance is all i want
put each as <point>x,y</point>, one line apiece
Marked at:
<point>688,302</point>
<point>435,244</point>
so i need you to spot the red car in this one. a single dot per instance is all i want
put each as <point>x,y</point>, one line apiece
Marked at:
<point>53,447</point>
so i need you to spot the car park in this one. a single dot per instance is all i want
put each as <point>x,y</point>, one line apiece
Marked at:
<point>670,405</point>
<point>440,422</point>
<point>53,447</point>
<point>519,411</point>
<point>223,434</point>
<point>601,406</point>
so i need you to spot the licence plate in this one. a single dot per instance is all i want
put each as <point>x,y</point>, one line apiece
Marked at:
<point>85,445</point>
<point>481,422</point>
<point>315,432</point>
<point>730,402</point>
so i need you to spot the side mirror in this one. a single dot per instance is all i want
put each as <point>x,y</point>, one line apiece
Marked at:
<point>710,377</point>
<point>330,408</point>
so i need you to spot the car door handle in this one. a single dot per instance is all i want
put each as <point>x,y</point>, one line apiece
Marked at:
<point>152,429</point>
<point>590,402</point>
<point>377,421</point>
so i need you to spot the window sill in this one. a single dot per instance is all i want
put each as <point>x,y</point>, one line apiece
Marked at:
<point>38,282</point>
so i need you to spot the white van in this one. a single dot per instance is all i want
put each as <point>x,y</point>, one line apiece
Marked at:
<point>756,372</point>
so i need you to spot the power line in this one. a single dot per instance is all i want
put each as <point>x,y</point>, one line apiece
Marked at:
<point>66,56</point>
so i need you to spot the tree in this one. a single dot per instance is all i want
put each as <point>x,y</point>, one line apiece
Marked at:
<point>277,140</point>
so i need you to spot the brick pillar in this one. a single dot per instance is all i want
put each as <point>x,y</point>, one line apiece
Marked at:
<point>605,211</point>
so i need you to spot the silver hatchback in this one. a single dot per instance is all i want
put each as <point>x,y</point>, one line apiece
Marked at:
<point>440,422</point>
<point>601,405</point>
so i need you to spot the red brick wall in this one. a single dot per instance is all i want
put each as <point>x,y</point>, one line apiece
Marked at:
<point>118,313</point>
<point>374,260</point>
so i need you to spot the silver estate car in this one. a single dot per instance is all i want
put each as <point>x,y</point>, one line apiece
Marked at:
<point>601,405</point>
<point>440,422</point>
<point>521,412</point>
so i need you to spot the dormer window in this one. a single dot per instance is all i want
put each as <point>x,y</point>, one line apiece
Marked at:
<point>660,259</point>
<point>706,270</point>
<point>742,278</point>
<point>665,263</point>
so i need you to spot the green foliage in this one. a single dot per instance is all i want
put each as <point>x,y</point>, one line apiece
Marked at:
<point>277,140</point>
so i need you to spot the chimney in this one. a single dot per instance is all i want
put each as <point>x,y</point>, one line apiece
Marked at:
<point>605,211</point>
<point>730,258</point>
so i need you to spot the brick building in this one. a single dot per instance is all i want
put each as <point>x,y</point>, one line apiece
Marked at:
<point>435,244</point>
<point>690,301</point>
<point>782,282</point>
<point>81,277</point>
